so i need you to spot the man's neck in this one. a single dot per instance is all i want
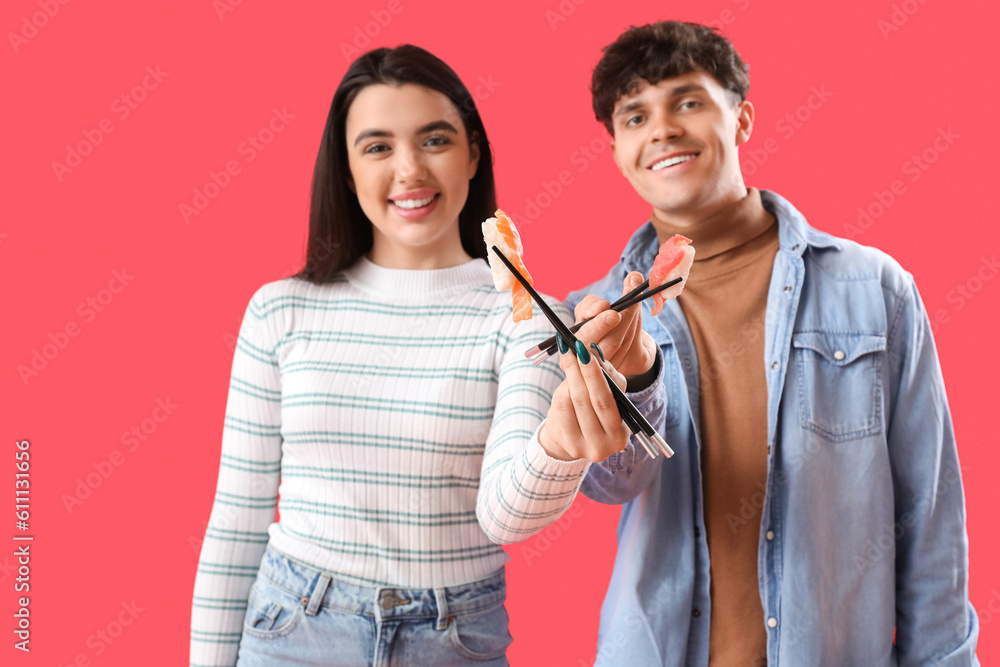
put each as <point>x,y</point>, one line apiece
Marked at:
<point>668,223</point>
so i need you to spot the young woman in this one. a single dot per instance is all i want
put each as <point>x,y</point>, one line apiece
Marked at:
<point>386,388</point>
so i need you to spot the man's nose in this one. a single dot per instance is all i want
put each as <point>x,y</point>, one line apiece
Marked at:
<point>665,127</point>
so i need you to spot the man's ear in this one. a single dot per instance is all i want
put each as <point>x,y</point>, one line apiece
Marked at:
<point>744,122</point>
<point>614,155</point>
<point>474,155</point>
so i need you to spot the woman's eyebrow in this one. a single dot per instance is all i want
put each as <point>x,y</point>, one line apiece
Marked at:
<point>429,127</point>
<point>371,133</point>
<point>437,125</point>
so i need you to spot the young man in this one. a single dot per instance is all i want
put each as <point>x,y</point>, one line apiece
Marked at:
<point>814,511</point>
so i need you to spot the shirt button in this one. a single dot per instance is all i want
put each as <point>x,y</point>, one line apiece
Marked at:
<point>774,365</point>
<point>697,531</point>
<point>788,288</point>
<point>770,535</point>
<point>696,613</point>
<point>795,247</point>
<point>838,355</point>
<point>772,622</point>
<point>687,362</point>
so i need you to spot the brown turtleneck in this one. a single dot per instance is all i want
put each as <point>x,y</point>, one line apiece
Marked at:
<point>724,302</point>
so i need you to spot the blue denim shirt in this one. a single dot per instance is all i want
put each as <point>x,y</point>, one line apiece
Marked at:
<point>863,513</point>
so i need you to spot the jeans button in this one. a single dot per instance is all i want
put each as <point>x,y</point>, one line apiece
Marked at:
<point>388,600</point>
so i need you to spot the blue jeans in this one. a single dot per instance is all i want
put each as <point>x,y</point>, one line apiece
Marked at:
<point>298,615</point>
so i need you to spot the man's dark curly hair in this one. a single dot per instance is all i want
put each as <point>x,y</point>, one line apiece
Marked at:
<point>660,51</point>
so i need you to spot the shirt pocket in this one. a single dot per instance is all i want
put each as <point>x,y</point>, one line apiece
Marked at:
<point>839,383</point>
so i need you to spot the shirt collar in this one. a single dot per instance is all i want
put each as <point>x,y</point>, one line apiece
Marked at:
<point>794,235</point>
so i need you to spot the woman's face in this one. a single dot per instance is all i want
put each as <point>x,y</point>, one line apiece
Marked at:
<point>410,162</point>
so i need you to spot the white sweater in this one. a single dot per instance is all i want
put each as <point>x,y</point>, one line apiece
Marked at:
<point>395,415</point>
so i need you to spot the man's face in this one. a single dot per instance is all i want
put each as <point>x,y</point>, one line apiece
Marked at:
<point>676,142</point>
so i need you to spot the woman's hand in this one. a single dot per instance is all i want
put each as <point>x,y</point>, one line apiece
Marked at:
<point>583,421</point>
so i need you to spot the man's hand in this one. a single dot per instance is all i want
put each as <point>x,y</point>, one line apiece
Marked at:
<point>630,349</point>
<point>583,421</point>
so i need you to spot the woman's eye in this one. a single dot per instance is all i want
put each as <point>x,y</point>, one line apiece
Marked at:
<point>437,140</point>
<point>376,148</point>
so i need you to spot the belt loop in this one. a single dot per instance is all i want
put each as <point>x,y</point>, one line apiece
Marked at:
<point>379,617</point>
<point>442,605</point>
<point>317,595</point>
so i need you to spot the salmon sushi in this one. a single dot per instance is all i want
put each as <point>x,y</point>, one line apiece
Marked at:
<point>501,232</point>
<point>673,261</point>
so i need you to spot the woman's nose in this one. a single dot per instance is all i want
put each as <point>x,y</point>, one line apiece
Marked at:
<point>409,166</point>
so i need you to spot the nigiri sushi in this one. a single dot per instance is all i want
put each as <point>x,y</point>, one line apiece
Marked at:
<point>501,232</point>
<point>674,260</point>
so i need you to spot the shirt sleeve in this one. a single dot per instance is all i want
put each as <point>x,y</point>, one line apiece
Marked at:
<point>246,494</point>
<point>935,622</point>
<point>522,489</point>
<point>624,475</point>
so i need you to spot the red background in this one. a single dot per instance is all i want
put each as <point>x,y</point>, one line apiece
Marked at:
<point>168,333</point>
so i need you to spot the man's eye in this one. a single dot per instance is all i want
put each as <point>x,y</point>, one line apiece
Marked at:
<point>633,120</point>
<point>690,104</point>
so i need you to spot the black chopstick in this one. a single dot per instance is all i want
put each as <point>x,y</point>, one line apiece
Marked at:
<point>551,341</point>
<point>549,344</point>
<point>645,295</point>
<point>642,427</point>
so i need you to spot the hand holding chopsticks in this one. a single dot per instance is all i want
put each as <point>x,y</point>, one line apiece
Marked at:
<point>547,347</point>
<point>584,421</point>
<point>637,424</point>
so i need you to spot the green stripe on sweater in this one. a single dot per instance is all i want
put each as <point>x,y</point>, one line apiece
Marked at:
<point>407,555</point>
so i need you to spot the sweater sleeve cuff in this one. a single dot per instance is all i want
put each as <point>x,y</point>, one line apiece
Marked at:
<point>551,468</point>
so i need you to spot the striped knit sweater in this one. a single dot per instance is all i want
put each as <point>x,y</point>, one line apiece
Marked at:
<point>394,414</point>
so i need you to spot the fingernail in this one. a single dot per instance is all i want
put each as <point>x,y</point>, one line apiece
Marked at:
<point>581,353</point>
<point>598,349</point>
<point>563,345</point>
